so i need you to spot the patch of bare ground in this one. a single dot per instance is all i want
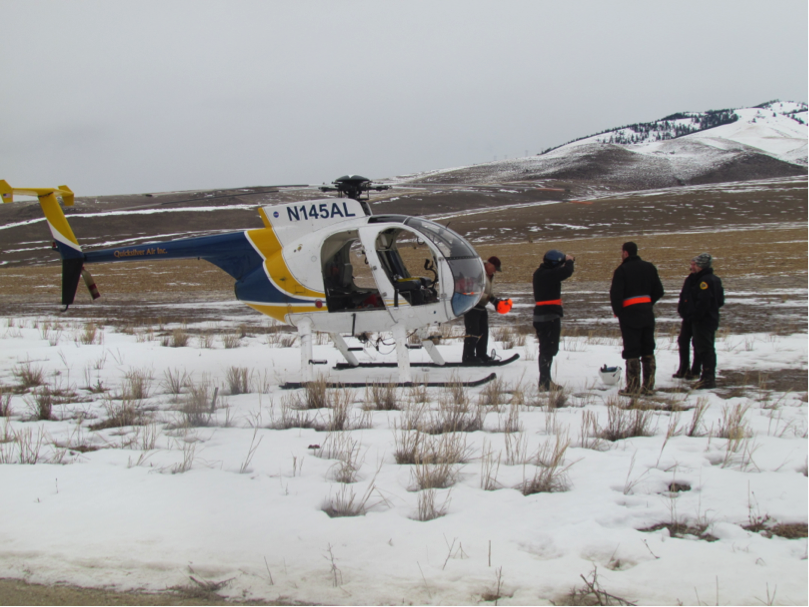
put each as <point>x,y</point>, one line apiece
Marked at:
<point>682,530</point>
<point>768,528</point>
<point>775,282</point>
<point>20,592</point>
<point>734,383</point>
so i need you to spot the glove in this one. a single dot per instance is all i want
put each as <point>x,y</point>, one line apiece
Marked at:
<point>504,306</point>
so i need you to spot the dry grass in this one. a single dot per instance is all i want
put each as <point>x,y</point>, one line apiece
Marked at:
<point>733,426</point>
<point>232,340</point>
<point>415,447</point>
<point>289,415</point>
<point>434,476</point>
<point>549,476</point>
<point>29,375</point>
<point>198,403</point>
<point>598,257</point>
<point>174,381</point>
<point>25,447</point>
<point>382,397</point>
<point>347,468</point>
<point>5,405</point>
<point>121,412</point>
<point>626,423</point>
<point>238,379</point>
<point>137,384</point>
<point>347,503</point>
<point>591,593</point>
<point>40,404</point>
<point>340,411</point>
<point>493,393</point>
<point>428,507</point>
<point>178,338</point>
<point>489,468</point>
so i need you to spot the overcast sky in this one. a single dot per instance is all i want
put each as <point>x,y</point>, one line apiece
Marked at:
<point>114,97</point>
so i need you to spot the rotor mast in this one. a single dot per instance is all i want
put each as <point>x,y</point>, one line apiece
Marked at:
<point>353,186</point>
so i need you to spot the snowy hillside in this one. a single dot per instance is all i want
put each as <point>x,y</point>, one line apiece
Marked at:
<point>777,128</point>
<point>691,148</point>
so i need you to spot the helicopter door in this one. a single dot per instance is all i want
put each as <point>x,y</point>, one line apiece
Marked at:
<point>368,237</point>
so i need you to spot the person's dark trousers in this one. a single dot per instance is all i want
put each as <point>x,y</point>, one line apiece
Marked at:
<point>684,344</point>
<point>476,325</point>
<point>638,341</point>
<point>704,335</point>
<point>548,334</point>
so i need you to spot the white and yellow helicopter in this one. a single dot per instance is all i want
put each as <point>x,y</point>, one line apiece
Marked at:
<point>326,265</point>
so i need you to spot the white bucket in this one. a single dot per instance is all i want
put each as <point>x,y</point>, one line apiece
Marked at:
<point>610,376</point>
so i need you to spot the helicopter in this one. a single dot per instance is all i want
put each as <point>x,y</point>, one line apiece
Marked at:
<point>326,265</point>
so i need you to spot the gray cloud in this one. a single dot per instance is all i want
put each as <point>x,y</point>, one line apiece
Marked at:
<point>136,96</point>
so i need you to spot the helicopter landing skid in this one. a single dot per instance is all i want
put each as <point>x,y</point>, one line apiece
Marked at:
<point>291,385</point>
<point>497,363</point>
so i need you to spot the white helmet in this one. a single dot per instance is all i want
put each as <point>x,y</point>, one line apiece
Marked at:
<point>610,375</point>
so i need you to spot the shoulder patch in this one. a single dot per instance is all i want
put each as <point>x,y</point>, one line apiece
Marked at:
<point>703,285</point>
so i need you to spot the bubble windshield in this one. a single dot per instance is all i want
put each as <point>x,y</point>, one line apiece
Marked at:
<point>468,275</point>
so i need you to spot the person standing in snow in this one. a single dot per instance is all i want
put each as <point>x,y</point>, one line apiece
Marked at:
<point>548,312</point>
<point>684,339</point>
<point>635,289</point>
<point>705,299</point>
<point>476,320</point>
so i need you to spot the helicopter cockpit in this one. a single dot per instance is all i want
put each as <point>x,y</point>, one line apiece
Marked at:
<point>406,256</point>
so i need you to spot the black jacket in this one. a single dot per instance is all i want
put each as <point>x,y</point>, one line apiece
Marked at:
<point>706,297</point>
<point>635,278</point>
<point>685,306</point>
<point>548,287</point>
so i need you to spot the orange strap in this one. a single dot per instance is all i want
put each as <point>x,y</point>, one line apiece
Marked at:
<point>550,302</point>
<point>637,300</point>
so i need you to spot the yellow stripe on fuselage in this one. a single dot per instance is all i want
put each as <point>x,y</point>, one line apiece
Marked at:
<point>279,311</point>
<point>267,244</point>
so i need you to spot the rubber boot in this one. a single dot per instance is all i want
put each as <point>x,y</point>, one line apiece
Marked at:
<point>649,365</point>
<point>632,378</point>
<point>545,383</point>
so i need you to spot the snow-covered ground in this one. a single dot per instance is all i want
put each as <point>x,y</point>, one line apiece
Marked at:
<point>241,500</point>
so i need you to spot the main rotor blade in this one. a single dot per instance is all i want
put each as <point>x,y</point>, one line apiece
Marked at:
<point>203,198</point>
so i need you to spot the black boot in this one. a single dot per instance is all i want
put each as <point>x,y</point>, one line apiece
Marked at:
<point>708,378</point>
<point>468,357</point>
<point>696,368</point>
<point>682,370</point>
<point>632,378</point>
<point>545,383</point>
<point>649,365</point>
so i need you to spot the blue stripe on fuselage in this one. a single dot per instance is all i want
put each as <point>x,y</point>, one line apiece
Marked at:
<point>231,252</point>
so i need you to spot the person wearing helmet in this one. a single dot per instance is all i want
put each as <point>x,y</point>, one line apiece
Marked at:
<point>476,320</point>
<point>548,312</point>
<point>635,289</point>
<point>706,297</point>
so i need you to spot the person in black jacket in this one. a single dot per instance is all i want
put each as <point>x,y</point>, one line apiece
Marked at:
<point>636,287</point>
<point>548,312</point>
<point>707,296</point>
<point>686,336</point>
